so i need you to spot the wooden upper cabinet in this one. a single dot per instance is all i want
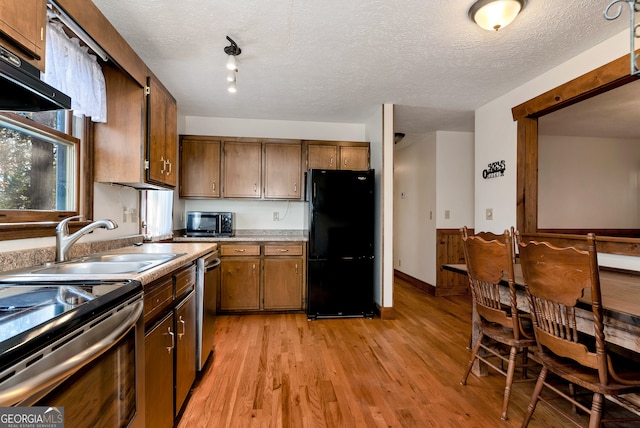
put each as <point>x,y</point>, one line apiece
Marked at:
<point>199,168</point>
<point>162,134</point>
<point>322,156</point>
<point>126,150</point>
<point>354,158</point>
<point>282,170</point>
<point>350,155</point>
<point>242,169</point>
<point>22,29</point>
<point>119,148</point>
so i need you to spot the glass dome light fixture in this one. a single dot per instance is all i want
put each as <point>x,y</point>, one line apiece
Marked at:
<point>495,14</point>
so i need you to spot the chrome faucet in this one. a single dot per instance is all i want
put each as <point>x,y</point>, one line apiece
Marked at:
<point>64,240</point>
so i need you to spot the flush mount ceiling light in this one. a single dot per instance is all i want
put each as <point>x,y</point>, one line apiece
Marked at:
<point>232,50</point>
<point>495,14</point>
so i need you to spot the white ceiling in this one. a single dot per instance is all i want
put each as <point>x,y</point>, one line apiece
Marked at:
<point>336,61</point>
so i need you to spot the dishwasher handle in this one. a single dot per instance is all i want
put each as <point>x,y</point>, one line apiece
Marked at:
<point>212,265</point>
<point>56,366</point>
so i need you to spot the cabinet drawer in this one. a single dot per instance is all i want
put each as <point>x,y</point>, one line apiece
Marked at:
<point>240,250</point>
<point>185,281</point>
<point>157,299</point>
<point>283,250</point>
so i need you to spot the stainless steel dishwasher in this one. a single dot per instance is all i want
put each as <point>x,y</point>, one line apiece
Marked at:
<point>207,283</point>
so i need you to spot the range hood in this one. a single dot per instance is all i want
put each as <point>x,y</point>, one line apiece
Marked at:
<point>22,90</point>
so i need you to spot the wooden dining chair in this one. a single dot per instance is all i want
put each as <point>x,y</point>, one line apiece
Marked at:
<point>496,324</point>
<point>559,281</point>
<point>490,236</point>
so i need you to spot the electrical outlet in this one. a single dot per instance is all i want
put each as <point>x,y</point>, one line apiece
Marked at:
<point>447,214</point>
<point>489,214</point>
<point>276,216</point>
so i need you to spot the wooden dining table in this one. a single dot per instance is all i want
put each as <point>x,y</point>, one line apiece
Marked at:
<point>620,303</point>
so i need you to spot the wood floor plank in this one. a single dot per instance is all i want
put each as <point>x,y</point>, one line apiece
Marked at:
<point>280,370</point>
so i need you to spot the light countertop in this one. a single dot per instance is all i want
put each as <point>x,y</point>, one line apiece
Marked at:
<point>249,235</point>
<point>189,251</point>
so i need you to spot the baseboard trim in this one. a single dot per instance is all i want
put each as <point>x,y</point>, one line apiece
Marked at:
<point>424,286</point>
<point>385,313</point>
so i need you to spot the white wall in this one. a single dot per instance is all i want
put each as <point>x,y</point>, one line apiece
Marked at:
<point>254,214</point>
<point>433,174</point>
<point>454,179</point>
<point>496,132</point>
<point>588,182</point>
<point>415,206</point>
<point>375,134</point>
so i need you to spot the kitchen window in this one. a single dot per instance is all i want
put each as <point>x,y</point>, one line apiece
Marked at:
<point>39,166</point>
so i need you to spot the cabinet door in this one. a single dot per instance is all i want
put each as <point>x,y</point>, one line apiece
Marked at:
<point>185,316</point>
<point>240,284</point>
<point>171,141</point>
<point>282,283</point>
<point>199,168</point>
<point>354,158</point>
<point>242,170</point>
<point>282,170</point>
<point>156,101</point>
<point>22,23</point>
<point>158,374</point>
<point>322,156</point>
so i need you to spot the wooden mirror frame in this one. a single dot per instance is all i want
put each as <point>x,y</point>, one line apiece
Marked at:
<point>602,79</point>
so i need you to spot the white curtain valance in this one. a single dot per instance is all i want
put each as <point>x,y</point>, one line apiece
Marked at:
<point>71,69</point>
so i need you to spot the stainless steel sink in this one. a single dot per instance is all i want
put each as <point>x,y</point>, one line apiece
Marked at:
<point>100,264</point>
<point>132,257</point>
<point>93,268</point>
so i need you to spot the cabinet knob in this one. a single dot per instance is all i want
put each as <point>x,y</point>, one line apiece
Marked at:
<point>240,250</point>
<point>170,167</point>
<point>345,161</point>
<point>331,161</point>
<point>283,250</point>
<point>164,164</point>
<point>296,268</point>
<point>213,187</point>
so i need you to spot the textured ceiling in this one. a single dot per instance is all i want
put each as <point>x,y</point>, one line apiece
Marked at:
<point>336,61</point>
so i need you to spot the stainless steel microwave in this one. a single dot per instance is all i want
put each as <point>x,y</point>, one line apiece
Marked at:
<point>204,223</point>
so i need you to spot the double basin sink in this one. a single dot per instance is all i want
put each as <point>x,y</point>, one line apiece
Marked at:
<point>104,264</point>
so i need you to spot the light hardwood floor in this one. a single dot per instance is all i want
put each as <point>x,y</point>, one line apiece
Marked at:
<point>284,371</point>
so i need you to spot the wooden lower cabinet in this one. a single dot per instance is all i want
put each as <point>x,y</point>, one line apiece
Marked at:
<point>283,283</point>
<point>169,346</point>
<point>185,352</point>
<point>240,284</point>
<point>262,276</point>
<point>158,373</point>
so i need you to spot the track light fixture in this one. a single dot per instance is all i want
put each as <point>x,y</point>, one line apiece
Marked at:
<point>232,50</point>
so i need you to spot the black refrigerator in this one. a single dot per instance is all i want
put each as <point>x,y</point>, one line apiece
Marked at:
<point>340,256</point>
